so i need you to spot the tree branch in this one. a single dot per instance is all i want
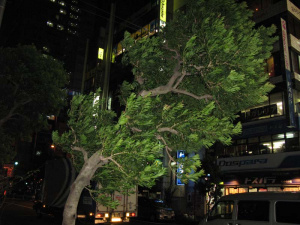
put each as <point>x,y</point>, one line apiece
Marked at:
<point>177,77</point>
<point>168,149</point>
<point>118,165</point>
<point>80,149</point>
<point>12,111</point>
<point>206,97</point>
<point>167,129</point>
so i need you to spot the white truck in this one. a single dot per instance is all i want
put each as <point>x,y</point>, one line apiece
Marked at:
<point>59,176</point>
<point>126,209</point>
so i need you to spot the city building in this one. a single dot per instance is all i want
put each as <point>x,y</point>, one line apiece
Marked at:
<point>59,28</point>
<point>266,156</point>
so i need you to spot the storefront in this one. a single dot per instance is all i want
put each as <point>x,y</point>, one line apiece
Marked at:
<point>261,173</point>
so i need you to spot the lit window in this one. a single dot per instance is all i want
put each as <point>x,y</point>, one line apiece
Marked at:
<point>71,31</point>
<point>46,49</point>
<point>62,3</point>
<point>63,11</point>
<point>279,146</point>
<point>60,27</point>
<point>270,67</point>
<point>73,24</point>
<point>73,16</point>
<point>74,8</point>
<point>49,23</point>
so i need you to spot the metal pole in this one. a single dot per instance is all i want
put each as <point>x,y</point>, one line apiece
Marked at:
<point>108,54</point>
<point>84,65</point>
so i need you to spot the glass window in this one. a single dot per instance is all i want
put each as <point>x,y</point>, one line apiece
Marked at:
<point>265,138</point>
<point>291,134</point>
<point>288,212</point>
<point>278,146</point>
<point>295,61</point>
<point>241,150</point>
<point>270,67</point>
<point>253,140</point>
<point>277,63</point>
<point>277,136</point>
<point>253,149</point>
<point>62,3</point>
<point>62,11</point>
<point>265,148</point>
<point>49,23</point>
<point>278,189</point>
<point>229,151</point>
<point>241,141</point>
<point>60,27</point>
<point>253,210</point>
<point>46,49</point>
<point>292,144</point>
<point>276,99</point>
<point>252,189</point>
<point>222,210</point>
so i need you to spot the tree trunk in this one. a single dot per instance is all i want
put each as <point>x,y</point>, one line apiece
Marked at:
<point>82,180</point>
<point>70,210</point>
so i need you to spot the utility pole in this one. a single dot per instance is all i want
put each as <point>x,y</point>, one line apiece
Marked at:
<point>108,54</point>
<point>84,65</point>
<point>2,7</point>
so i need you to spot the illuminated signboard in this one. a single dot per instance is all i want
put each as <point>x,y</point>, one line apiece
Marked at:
<point>163,12</point>
<point>113,58</point>
<point>180,154</point>
<point>100,53</point>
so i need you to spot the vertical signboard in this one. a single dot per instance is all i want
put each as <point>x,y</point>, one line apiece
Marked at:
<point>180,154</point>
<point>100,53</point>
<point>292,122</point>
<point>163,12</point>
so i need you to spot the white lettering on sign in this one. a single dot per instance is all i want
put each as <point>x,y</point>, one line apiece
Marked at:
<point>243,162</point>
<point>285,45</point>
<point>260,180</point>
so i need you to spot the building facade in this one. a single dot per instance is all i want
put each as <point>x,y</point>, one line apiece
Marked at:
<point>58,28</point>
<point>266,156</point>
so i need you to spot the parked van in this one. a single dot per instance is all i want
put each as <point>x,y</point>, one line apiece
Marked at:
<point>259,208</point>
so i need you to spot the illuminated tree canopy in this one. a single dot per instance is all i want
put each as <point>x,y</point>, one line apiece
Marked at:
<point>191,80</point>
<point>205,66</point>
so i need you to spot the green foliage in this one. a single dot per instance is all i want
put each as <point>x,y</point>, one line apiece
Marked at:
<point>191,80</point>
<point>31,88</point>
<point>126,147</point>
<point>205,66</point>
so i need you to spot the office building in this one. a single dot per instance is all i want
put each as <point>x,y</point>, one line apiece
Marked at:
<point>266,156</point>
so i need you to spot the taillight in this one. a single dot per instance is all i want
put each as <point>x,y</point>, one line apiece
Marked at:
<point>130,214</point>
<point>4,193</point>
<point>99,215</point>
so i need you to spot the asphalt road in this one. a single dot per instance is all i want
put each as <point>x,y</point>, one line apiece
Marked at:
<point>20,212</point>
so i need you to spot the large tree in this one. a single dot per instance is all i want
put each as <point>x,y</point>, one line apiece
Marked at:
<point>31,88</point>
<point>191,79</point>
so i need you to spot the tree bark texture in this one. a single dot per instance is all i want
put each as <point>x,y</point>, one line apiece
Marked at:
<point>82,180</point>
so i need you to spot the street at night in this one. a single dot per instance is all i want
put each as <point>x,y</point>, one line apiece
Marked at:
<point>17,211</point>
<point>149,112</point>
